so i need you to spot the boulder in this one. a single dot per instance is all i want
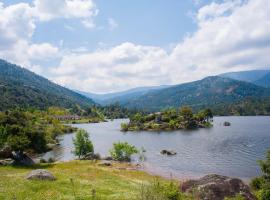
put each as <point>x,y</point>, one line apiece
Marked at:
<point>226,124</point>
<point>6,152</point>
<point>7,162</point>
<point>105,163</point>
<point>40,174</point>
<point>217,187</point>
<point>107,158</point>
<point>91,156</point>
<point>22,159</point>
<point>168,152</point>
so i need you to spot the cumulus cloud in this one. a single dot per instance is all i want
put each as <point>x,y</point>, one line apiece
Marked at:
<point>18,24</point>
<point>231,36</point>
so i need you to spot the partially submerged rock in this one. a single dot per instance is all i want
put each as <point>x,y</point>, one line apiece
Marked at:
<point>217,187</point>
<point>40,174</point>
<point>226,124</point>
<point>168,152</point>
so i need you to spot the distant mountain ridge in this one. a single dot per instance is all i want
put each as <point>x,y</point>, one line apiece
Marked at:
<point>258,77</point>
<point>121,97</point>
<point>208,92</point>
<point>20,87</point>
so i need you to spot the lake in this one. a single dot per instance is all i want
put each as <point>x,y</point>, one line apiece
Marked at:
<point>232,151</point>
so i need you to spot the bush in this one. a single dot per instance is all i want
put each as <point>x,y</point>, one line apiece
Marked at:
<point>82,143</point>
<point>124,127</point>
<point>122,151</point>
<point>265,194</point>
<point>160,191</point>
<point>256,183</point>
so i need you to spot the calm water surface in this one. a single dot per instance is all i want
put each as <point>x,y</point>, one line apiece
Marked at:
<point>231,151</point>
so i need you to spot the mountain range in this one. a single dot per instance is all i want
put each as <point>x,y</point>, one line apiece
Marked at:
<point>230,93</point>
<point>22,88</point>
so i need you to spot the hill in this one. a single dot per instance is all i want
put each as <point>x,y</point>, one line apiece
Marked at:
<point>209,92</point>
<point>22,88</point>
<point>264,81</point>
<point>120,97</point>
<point>258,77</point>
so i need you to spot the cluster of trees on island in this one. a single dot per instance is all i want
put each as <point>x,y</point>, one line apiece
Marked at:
<point>169,119</point>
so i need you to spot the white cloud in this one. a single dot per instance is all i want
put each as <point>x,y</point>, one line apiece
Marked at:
<point>112,23</point>
<point>233,35</point>
<point>18,24</point>
<point>42,51</point>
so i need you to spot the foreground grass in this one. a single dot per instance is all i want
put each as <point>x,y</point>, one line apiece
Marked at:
<point>75,180</point>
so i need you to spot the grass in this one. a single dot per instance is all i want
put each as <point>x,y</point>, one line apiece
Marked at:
<point>78,180</point>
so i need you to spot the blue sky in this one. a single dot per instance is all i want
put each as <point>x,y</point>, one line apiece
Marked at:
<point>112,45</point>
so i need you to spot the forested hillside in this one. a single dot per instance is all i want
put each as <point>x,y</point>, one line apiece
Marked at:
<point>214,92</point>
<point>22,88</point>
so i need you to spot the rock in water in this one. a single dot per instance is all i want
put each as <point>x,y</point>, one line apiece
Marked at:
<point>226,124</point>
<point>40,174</point>
<point>216,187</point>
<point>168,152</point>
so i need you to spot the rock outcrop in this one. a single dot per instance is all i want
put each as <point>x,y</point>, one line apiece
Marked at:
<point>217,187</point>
<point>168,152</point>
<point>40,174</point>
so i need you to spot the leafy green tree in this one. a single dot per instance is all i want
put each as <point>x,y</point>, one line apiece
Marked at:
<point>82,143</point>
<point>3,136</point>
<point>122,151</point>
<point>186,113</point>
<point>263,183</point>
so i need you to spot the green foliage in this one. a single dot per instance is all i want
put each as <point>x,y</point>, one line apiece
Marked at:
<point>224,96</point>
<point>3,136</point>
<point>169,119</point>
<point>263,183</point>
<point>21,88</point>
<point>82,143</point>
<point>257,183</point>
<point>122,151</point>
<point>237,197</point>
<point>160,191</point>
<point>265,194</point>
<point>25,130</point>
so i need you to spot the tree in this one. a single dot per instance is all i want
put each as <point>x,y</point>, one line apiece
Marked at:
<point>208,114</point>
<point>122,151</point>
<point>82,143</point>
<point>186,113</point>
<point>263,183</point>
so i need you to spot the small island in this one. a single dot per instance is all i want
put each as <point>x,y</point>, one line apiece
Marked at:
<point>169,119</point>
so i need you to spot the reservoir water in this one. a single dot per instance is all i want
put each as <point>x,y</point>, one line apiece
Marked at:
<point>232,151</point>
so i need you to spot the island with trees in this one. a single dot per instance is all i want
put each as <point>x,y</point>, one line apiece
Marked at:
<point>169,119</point>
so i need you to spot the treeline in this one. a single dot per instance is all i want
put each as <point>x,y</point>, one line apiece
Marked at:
<point>31,131</point>
<point>169,119</point>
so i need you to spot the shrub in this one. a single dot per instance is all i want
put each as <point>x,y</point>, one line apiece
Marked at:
<point>82,143</point>
<point>256,183</point>
<point>160,191</point>
<point>124,127</point>
<point>122,151</point>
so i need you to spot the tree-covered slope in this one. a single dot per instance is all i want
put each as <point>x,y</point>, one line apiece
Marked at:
<point>209,92</point>
<point>22,88</point>
<point>264,81</point>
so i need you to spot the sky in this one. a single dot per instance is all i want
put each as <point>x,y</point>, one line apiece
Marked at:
<point>106,46</point>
